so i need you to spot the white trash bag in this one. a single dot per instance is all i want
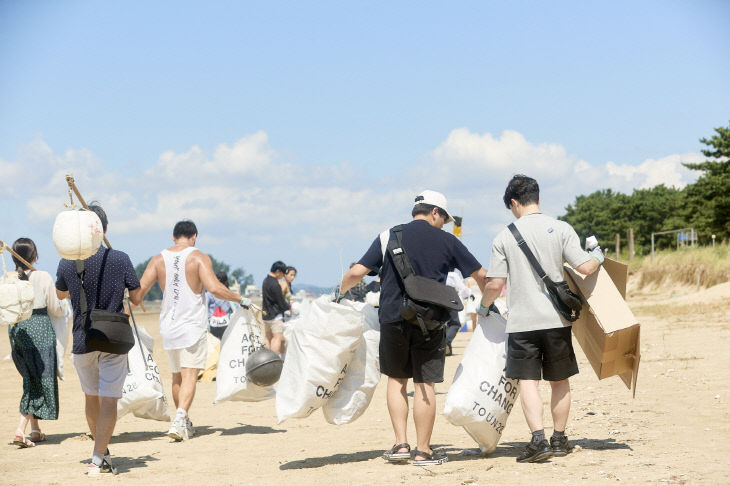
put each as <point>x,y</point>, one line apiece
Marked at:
<point>481,397</point>
<point>363,374</point>
<point>61,326</point>
<point>143,393</point>
<point>241,338</point>
<point>16,296</point>
<point>320,346</point>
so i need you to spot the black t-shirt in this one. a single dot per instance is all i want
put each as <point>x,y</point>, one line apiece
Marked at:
<point>273,300</point>
<point>433,253</point>
<point>118,275</point>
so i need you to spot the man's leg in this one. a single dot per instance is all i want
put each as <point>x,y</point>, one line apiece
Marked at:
<point>277,343</point>
<point>268,335</point>
<point>105,422</point>
<point>424,415</point>
<point>176,381</point>
<point>397,401</point>
<point>186,388</point>
<point>531,404</point>
<point>92,413</point>
<point>560,404</point>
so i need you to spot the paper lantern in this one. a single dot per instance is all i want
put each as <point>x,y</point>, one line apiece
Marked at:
<point>16,298</point>
<point>77,234</point>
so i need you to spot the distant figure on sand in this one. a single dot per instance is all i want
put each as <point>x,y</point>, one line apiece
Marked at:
<point>219,310</point>
<point>182,271</point>
<point>106,275</point>
<point>539,343</point>
<point>33,345</point>
<point>406,351</point>
<point>274,306</point>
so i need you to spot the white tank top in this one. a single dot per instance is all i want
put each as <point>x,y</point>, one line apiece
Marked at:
<point>183,313</point>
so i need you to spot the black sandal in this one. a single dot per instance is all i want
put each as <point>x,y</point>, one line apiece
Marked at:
<point>394,456</point>
<point>433,459</point>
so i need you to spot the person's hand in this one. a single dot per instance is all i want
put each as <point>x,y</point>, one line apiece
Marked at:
<point>483,311</point>
<point>597,254</point>
<point>245,303</point>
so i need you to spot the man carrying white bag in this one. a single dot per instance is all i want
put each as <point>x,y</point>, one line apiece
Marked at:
<point>240,340</point>
<point>143,393</point>
<point>481,397</point>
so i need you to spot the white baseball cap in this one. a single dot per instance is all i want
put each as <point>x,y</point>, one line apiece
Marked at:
<point>434,199</point>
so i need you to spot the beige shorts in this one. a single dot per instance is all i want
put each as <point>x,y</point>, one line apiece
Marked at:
<point>101,374</point>
<point>191,357</point>
<point>276,326</point>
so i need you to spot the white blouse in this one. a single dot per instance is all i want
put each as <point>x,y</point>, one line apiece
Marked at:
<point>45,294</point>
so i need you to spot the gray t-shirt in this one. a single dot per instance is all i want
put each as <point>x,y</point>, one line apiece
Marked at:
<point>552,242</point>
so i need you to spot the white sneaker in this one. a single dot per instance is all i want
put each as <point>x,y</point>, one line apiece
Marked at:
<point>189,427</point>
<point>178,430</point>
<point>106,467</point>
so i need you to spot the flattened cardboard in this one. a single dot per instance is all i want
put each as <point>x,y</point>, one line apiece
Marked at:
<point>607,330</point>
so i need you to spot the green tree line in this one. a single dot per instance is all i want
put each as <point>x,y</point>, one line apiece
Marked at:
<point>238,274</point>
<point>704,205</point>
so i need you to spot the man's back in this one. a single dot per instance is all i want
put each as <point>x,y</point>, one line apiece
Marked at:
<point>192,268</point>
<point>433,253</point>
<point>552,242</point>
<point>104,289</point>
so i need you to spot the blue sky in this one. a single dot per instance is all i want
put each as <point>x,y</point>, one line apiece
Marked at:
<point>300,130</point>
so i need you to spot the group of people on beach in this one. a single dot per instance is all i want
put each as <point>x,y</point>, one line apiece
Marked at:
<point>539,342</point>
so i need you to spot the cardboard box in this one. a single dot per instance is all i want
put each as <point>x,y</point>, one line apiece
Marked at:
<point>607,330</point>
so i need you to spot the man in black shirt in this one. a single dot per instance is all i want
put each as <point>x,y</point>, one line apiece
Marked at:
<point>404,351</point>
<point>274,306</point>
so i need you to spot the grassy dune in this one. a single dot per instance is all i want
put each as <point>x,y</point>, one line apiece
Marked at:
<point>700,266</point>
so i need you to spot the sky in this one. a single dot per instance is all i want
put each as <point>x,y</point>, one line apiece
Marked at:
<point>297,131</point>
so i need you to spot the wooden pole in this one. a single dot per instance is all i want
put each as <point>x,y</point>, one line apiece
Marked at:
<point>3,246</point>
<point>631,245</point>
<point>72,185</point>
<point>618,246</point>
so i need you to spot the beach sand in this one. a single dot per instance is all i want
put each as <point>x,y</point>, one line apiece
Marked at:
<point>676,430</point>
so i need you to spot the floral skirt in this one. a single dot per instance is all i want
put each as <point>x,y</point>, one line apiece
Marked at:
<point>33,344</point>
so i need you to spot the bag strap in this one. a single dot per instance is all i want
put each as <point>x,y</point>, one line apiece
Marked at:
<point>399,255</point>
<point>101,278</point>
<point>81,272</point>
<point>528,253</point>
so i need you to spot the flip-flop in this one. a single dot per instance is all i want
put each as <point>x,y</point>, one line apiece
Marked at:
<point>23,443</point>
<point>41,436</point>
<point>433,459</point>
<point>394,456</point>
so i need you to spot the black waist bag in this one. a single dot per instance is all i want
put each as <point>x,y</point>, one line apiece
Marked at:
<point>427,303</point>
<point>106,331</point>
<point>565,301</point>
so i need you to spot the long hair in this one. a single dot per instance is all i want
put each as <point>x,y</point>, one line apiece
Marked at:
<point>27,250</point>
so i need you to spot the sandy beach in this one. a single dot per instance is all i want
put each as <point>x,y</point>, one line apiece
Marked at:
<point>675,431</point>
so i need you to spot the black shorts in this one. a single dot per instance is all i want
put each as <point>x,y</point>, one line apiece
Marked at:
<point>547,352</point>
<point>405,353</point>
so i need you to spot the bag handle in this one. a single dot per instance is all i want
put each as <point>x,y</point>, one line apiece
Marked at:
<point>528,253</point>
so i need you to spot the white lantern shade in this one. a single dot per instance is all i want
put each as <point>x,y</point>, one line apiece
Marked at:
<point>77,234</point>
<point>16,299</point>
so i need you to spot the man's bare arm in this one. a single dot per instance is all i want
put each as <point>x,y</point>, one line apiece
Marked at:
<point>352,277</point>
<point>588,267</point>
<point>492,290</point>
<point>481,278</point>
<point>149,278</point>
<point>211,282</point>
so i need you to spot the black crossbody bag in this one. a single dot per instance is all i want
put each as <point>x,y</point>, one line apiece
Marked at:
<point>106,331</point>
<point>565,301</point>
<point>426,302</point>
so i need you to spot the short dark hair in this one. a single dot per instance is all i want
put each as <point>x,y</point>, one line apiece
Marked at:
<point>222,278</point>
<point>184,229</point>
<point>96,208</point>
<point>522,189</point>
<point>25,247</point>
<point>278,266</point>
<point>425,209</point>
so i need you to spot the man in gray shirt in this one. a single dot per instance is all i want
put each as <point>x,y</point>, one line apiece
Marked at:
<point>539,341</point>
